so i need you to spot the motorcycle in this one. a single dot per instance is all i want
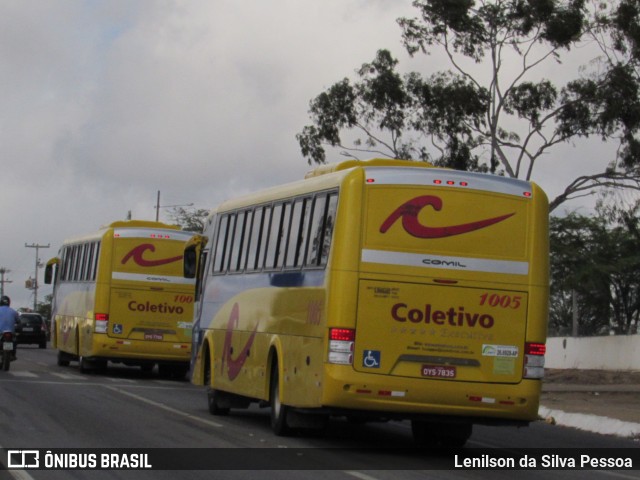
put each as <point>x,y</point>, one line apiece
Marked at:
<point>7,345</point>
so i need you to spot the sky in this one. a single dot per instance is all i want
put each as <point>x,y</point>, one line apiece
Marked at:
<point>106,102</point>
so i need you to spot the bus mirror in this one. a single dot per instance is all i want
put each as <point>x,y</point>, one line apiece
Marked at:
<point>191,252</point>
<point>190,262</point>
<point>48,271</point>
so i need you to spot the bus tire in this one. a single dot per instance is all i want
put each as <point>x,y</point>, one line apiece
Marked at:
<point>63,359</point>
<point>279,412</point>
<point>213,398</point>
<point>213,395</point>
<point>430,434</point>
<point>146,368</point>
<point>179,372</point>
<point>83,364</point>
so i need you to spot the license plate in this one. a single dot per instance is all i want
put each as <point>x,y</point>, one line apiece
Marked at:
<point>438,371</point>
<point>27,329</point>
<point>7,345</point>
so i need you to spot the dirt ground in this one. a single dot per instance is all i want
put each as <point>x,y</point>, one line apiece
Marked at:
<point>623,406</point>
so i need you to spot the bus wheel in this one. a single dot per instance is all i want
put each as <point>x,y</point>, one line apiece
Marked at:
<point>430,434</point>
<point>146,368</point>
<point>279,411</point>
<point>213,397</point>
<point>63,359</point>
<point>179,372</point>
<point>84,365</point>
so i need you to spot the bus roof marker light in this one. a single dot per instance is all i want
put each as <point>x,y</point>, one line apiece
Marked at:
<point>527,194</point>
<point>464,184</point>
<point>437,182</point>
<point>371,180</point>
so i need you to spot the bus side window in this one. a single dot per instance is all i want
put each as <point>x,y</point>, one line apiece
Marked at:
<point>305,232</point>
<point>221,244</point>
<point>238,239</point>
<point>283,235</point>
<point>329,224</point>
<point>254,239</point>
<point>63,263</point>
<point>85,262</point>
<point>298,233</point>
<point>264,237</point>
<point>73,259</point>
<point>96,258</point>
<point>317,223</point>
<point>274,236</point>
<point>89,265</point>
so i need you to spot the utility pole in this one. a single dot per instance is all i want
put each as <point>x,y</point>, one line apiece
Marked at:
<point>158,207</point>
<point>3,272</point>
<point>35,280</point>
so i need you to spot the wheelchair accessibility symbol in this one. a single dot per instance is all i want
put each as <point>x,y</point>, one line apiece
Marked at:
<point>371,359</point>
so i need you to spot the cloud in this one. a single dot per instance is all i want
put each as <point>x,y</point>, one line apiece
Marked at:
<point>105,103</point>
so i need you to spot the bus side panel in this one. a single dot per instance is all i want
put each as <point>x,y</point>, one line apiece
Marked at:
<point>74,311</point>
<point>245,331</point>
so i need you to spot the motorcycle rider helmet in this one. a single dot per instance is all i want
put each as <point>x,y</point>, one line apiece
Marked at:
<point>5,301</point>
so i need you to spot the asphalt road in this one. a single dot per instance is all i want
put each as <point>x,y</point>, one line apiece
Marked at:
<point>45,406</point>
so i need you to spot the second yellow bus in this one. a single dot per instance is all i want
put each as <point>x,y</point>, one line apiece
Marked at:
<point>120,296</point>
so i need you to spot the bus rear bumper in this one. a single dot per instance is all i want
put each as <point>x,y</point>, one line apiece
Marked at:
<point>136,352</point>
<point>411,398</point>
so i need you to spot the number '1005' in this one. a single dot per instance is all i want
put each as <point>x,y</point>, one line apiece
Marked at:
<point>503,301</point>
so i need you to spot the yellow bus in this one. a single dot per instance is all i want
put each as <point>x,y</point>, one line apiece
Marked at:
<point>381,289</point>
<point>120,295</point>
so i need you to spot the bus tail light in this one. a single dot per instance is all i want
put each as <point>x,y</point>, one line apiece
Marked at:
<point>341,342</point>
<point>102,323</point>
<point>534,360</point>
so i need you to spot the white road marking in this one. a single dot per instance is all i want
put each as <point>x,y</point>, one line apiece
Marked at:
<point>23,374</point>
<point>68,376</point>
<point>360,475</point>
<point>121,380</point>
<point>165,407</point>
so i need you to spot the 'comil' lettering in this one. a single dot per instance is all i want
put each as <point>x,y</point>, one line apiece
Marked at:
<point>456,318</point>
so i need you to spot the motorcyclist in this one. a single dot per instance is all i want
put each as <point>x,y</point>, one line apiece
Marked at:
<point>8,319</point>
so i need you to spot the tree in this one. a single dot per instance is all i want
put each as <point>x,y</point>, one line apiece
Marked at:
<point>191,220</point>
<point>44,308</point>
<point>485,113</point>
<point>597,260</point>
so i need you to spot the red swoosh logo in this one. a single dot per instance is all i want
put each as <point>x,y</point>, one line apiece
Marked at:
<point>235,364</point>
<point>409,212</point>
<point>137,255</point>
